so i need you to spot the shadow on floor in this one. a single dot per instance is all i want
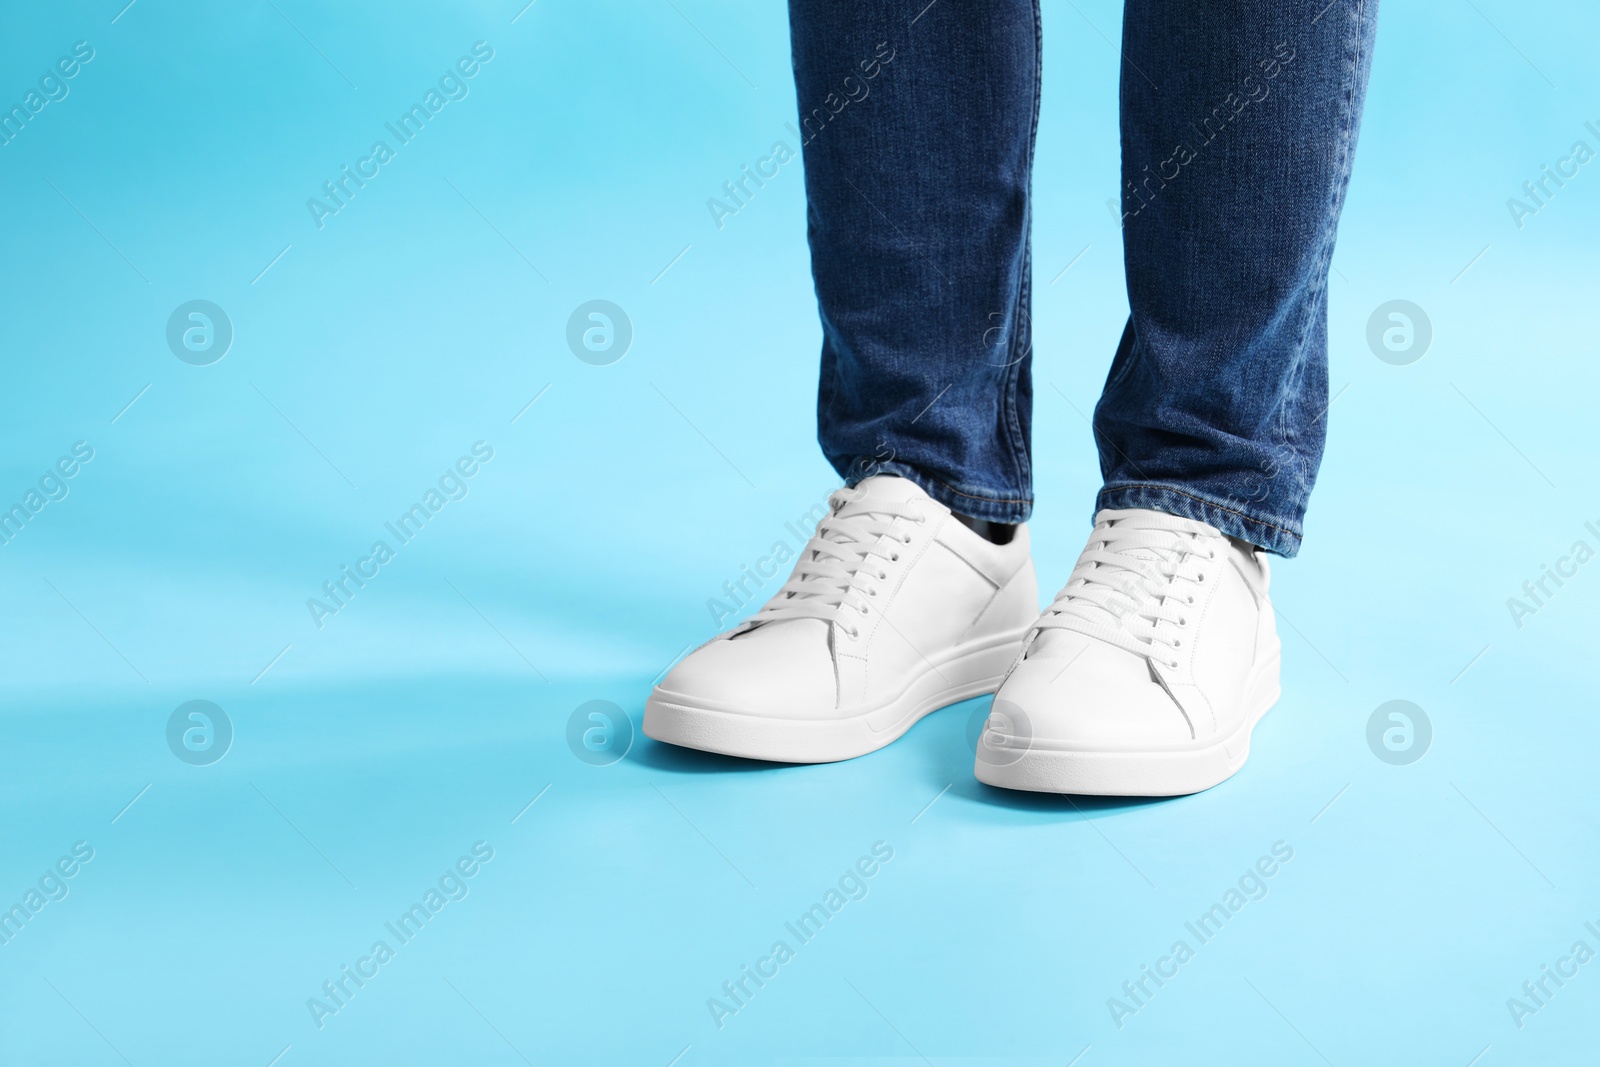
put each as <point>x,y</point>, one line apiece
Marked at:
<point>1021,800</point>
<point>660,756</point>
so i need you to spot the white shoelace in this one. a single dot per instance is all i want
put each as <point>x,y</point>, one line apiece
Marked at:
<point>1134,584</point>
<point>853,539</point>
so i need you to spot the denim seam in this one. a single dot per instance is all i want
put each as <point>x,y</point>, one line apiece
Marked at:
<point>1120,370</point>
<point>828,372</point>
<point>1319,292</point>
<point>947,487</point>
<point>882,466</point>
<point>1020,465</point>
<point>1110,490</point>
<point>1337,194</point>
<point>1021,461</point>
<point>1119,373</point>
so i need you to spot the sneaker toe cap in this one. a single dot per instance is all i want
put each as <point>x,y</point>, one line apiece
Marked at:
<point>783,669</point>
<point>1090,695</point>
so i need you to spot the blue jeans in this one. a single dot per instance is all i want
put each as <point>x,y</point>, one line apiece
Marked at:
<point>1239,120</point>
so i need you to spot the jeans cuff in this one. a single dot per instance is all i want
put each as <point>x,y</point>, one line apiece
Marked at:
<point>1265,531</point>
<point>1003,508</point>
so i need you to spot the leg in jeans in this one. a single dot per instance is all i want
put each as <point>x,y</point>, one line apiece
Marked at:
<point>1150,670</point>
<point>918,125</point>
<point>1148,673</point>
<point>1238,124</point>
<point>917,120</point>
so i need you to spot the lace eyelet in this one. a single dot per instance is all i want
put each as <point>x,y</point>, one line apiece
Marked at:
<point>872,592</point>
<point>862,609</point>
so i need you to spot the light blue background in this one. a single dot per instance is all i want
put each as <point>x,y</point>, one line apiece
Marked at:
<point>427,714</point>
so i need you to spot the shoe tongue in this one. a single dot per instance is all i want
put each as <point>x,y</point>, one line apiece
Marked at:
<point>1126,526</point>
<point>882,490</point>
<point>870,495</point>
<point>1146,553</point>
<point>1136,520</point>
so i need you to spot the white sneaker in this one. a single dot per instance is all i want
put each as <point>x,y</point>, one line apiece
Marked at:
<point>1147,674</point>
<point>894,609</point>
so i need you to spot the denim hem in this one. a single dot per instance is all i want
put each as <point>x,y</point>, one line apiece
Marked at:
<point>1185,504</point>
<point>993,508</point>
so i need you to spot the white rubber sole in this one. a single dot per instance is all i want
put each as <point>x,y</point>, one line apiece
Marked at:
<point>1040,766</point>
<point>971,670</point>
